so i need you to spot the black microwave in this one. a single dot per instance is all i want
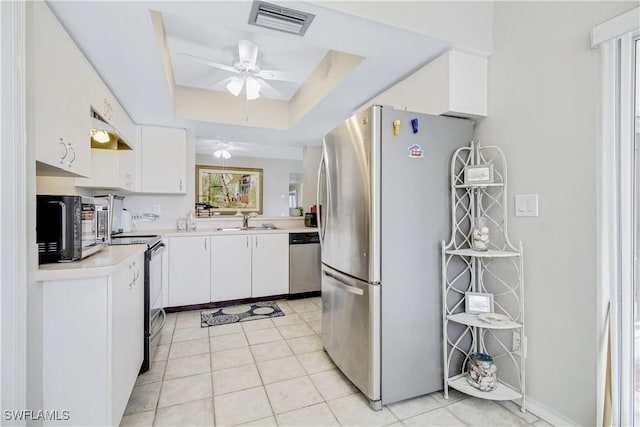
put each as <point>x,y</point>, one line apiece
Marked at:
<point>69,228</point>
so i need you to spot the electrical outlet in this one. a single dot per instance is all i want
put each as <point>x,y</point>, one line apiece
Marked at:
<point>515,343</point>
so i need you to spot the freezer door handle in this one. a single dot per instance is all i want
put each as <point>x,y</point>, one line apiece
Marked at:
<point>339,283</point>
<point>320,199</point>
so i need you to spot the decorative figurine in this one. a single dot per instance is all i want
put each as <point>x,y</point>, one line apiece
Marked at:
<point>480,235</point>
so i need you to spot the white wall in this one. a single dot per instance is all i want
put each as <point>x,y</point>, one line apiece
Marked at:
<point>466,25</point>
<point>311,162</point>
<point>543,101</point>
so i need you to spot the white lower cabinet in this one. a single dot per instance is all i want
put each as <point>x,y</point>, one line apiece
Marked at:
<point>127,331</point>
<point>249,266</point>
<point>189,270</point>
<point>231,267</point>
<point>270,265</point>
<point>227,267</point>
<point>92,344</point>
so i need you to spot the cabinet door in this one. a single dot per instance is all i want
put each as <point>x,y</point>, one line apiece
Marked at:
<point>230,267</point>
<point>75,348</point>
<point>189,270</point>
<point>57,96</point>
<point>104,171</point>
<point>127,169</point>
<point>114,169</point>
<point>107,106</point>
<point>163,160</point>
<point>270,262</point>
<point>127,320</point>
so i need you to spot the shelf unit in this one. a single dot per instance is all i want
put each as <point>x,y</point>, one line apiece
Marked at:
<point>497,271</point>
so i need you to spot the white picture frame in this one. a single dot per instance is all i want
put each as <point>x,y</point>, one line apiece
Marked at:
<point>478,303</point>
<point>478,174</point>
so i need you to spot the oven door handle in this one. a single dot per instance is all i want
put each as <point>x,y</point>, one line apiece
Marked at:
<point>157,331</point>
<point>158,249</point>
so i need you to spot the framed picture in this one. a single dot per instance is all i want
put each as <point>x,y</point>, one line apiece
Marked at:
<point>476,303</point>
<point>229,190</point>
<point>479,174</point>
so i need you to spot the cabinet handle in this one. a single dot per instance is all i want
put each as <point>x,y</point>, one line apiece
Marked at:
<point>133,279</point>
<point>205,243</point>
<point>66,151</point>
<point>247,241</point>
<point>108,111</point>
<point>70,148</point>
<point>256,237</point>
<point>137,272</point>
<point>180,184</point>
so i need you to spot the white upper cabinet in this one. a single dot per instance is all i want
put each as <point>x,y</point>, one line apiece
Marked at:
<point>58,79</point>
<point>111,169</point>
<point>454,84</point>
<point>163,160</point>
<point>107,106</point>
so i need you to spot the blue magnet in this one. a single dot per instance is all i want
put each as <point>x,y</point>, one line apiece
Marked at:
<point>414,125</point>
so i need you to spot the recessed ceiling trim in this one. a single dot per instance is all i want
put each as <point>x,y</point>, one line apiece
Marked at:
<point>279,18</point>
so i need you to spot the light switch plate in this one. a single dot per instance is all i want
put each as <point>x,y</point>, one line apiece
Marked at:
<point>527,204</point>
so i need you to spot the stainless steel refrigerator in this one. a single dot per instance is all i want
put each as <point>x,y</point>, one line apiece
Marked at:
<point>384,196</point>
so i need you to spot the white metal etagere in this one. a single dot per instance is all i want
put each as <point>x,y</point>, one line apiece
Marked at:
<point>497,271</point>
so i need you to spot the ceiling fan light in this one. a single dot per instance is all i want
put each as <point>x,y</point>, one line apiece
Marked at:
<point>222,153</point>
<point>235,86</point>
<point>253,88</point>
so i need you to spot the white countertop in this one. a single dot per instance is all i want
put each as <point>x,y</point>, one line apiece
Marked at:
<point>215,232</point>
<point>108,260</point>
<point>103,263</point>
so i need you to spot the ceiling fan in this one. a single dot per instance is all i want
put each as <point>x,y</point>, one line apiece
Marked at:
<point>248,74</point>
<point>223,149</point>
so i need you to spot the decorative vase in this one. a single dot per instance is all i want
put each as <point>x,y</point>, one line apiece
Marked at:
<point>482,373</point>
<point>480,234</point>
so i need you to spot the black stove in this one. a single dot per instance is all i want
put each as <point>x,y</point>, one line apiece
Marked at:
<point>150,241</point>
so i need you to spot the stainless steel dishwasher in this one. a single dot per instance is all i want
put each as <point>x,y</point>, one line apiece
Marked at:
<point>304,263</point>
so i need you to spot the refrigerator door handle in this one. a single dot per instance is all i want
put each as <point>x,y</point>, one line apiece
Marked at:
<point>321,225</point>
<point>339,283</point>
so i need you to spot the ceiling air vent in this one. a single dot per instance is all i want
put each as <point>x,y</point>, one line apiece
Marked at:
<point>279,18</point>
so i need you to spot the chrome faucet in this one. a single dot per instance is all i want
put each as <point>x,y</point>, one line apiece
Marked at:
<point>245,221</point>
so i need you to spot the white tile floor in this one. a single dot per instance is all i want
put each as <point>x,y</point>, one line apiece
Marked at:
<point>273,372</point>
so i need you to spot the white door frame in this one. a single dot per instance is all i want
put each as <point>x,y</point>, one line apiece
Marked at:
<point>13,210</point>
<point>615,227</point>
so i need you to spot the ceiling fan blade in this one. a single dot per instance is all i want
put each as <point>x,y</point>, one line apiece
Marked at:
<point>267,90</point>
<point>235,86</point>
<point>248,53</point>
<point>211,63</point>
<point>277,75</point>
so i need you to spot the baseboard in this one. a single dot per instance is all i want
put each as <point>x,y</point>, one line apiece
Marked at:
<point>209,305</point>
<point>547,414</point>
<point>309,294</point>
